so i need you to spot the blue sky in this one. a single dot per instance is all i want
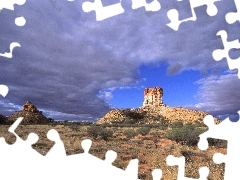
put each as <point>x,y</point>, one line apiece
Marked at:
<point>73,67</point>
<point>179,89</point>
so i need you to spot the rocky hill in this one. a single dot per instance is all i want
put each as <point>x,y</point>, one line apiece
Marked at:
<point>153,111</point>
<point>151,115</point>
<point>30,114</point>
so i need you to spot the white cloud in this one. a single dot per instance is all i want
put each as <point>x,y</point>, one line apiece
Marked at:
<point>105,95</point>
<point>219,95</point>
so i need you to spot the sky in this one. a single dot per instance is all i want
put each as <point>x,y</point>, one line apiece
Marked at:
<point>73,67</point>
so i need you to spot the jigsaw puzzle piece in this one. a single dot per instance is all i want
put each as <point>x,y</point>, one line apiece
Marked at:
<point>228,131</point>
<point>103,169</point>
<point>86,145</point>
<point>24,147</point>
<point>180,162</point>
<point>58,149</point>
<point>231,163</point>
<point>173,14</point>
<point>103,12</point>
<point>21,151</point>
<point>110,156</point>
<point>219,54</point>
<point>12,46</point>
<point>153,6</point>
<point>216,131</point>
<point>232,17</point>
<point>131,172</point>
<point>157,174</point>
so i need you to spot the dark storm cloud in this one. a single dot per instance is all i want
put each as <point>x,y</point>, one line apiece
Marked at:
<point>67,58</point>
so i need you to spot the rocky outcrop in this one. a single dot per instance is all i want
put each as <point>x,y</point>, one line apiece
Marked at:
<point>30,114</point>
<point>154,111</point>
<point>153,97</point>
<point>151,115</point>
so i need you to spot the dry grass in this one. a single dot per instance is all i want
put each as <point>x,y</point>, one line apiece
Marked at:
<point>151,150</point>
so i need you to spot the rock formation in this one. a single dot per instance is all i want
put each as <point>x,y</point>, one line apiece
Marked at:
<point>29,107</point>
<point>30,114</point>
<point>153,97</point>
<point>154,111</point>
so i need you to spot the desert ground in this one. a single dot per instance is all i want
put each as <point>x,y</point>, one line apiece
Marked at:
<point>151,146</point>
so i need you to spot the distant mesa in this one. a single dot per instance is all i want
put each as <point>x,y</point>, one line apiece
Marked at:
<point>153,111</point>
<point>30,114</point>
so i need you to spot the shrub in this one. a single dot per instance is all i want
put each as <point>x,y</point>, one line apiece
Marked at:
<point>130,121</point>
<point>2,119</point>
<point>163,126</point>
<point>177,124</point>
<point>74,126</point>
<point>143,130</point>
<point>217,143</point>
<point>187,134</point>
<point>106,134</point>
<point>93,131</point>
<point>130,133</point>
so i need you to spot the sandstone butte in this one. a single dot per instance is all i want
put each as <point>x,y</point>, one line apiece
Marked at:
<point>154,111</point>
<point>31,115</point>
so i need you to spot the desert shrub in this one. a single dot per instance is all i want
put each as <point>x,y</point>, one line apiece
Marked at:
<point>186,134</point>
<point>163,126</point>
<point>177,124</point>
<point>130,133</point>
<point>74,126</point>
<point>130,121</point>
<point>142,176</point>
<point>217,143</point>
<point>134,115</point>
<point>94,130</point>
<point>143,130</point>
<point>106,134</point>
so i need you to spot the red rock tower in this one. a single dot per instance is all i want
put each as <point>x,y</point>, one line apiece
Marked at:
<point>153,97</point>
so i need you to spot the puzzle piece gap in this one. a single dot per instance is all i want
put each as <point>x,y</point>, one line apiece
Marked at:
<point>3,90</point>
<point>86,145</point>
<point>12,46</point>
<point>232,17</point>
<point>20,21</point>
<point>110,156</point>
<point>103,12</point>
<point>173,14</point>
<point>157,174</point>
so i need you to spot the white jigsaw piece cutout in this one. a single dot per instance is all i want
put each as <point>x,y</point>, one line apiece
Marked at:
<point>12,46</point>
<point>9,4</point>
<point>19,157</point>
<point>180,162</point>
<point>103,12</point>
<point>19,21</point>
<point>232,17</point>
<point>229,131</point>
<point>153,6</point>
<point>173,14</point>
<point>219,54</point>
<point>3,90</point>
<point>157,174</point>
<point>13,157</point>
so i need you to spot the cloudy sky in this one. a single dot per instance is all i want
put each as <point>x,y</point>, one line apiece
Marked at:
<point>72,67</point>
